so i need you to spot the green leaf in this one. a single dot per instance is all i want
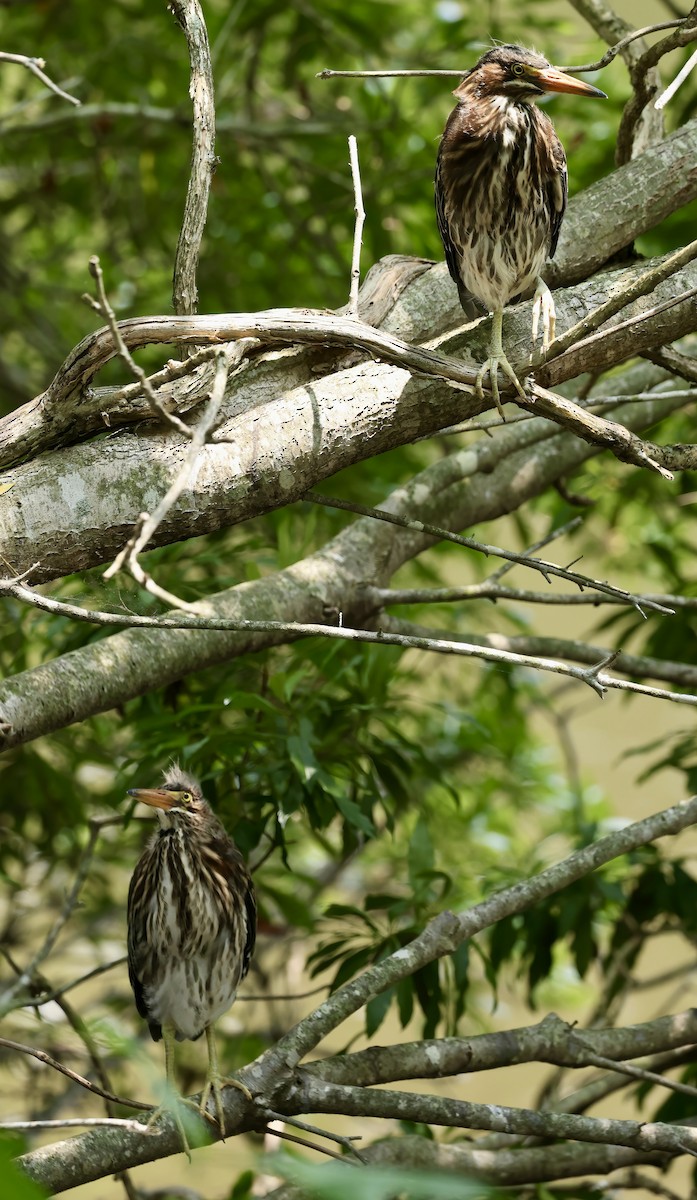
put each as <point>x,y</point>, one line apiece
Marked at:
<point>16,1185</point>
<point>420,857</point>
<point>337,1181</point>
<point>349,809</point>
<point>376,1011</point>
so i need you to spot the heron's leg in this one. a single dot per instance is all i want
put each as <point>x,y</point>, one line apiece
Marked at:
<point>544,307</point>
<point>215,1083</point>
<point>174,1099</point>
<point>497,358</point>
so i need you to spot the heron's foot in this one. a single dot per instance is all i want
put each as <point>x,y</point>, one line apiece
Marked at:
<point>173,1109</point>
<point>491,366</point>
<point>543,307</point>
<point>215,1085</point>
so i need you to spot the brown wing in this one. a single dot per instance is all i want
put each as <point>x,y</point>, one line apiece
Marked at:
<point>138,952</point>
<point>240,885</point>
<point>557,193</point>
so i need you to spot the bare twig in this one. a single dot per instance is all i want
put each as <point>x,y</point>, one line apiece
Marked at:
<point>189,16</point>
<point>328,73</point>
<point>633,1072</point>
<point>619,46</point>
<point>148,524</point>
<point>638,287</point>
<point>488,589</point>
<point>553,536</point>
<point>78,1123</point>
<point>455,72</point>
<point>358,229</point>
<point>43,1057</point>
<point>546,569</point>
<point>56,993</point>
<point>345,1142</point>
<point>103,307</point>
<point>36,65</point>
<point>301,1141</point>
<point>594,675</point>
<point>678,81</point>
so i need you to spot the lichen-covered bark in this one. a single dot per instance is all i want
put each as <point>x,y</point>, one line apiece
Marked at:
<point>477,484</point>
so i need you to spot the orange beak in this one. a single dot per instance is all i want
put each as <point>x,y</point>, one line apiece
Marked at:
<point>155,797</point>
<point>554,80</point>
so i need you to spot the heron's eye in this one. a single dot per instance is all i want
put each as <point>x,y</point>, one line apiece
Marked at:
<point>186,797</point>
<point>518,69</point>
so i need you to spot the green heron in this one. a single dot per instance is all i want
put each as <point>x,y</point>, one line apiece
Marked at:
<point>501,191</point>
<point>191,926</point>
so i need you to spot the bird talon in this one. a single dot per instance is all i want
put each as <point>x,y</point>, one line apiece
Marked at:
<point>172,1110</point>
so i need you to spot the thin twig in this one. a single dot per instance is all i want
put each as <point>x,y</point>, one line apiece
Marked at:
<point>486,590</point>
<point>554,534</point>
<point>38,1001</point>
<point>625,1068</point>
<point>199,435</point>
<point>545,568</point>
<point>646,282</point>
<point>679,79</point>
<point>594,675</point>
<point>43,1057</point>
<point>189,15</point>
<point>78,1123</point>
<point>619,46</point>
<point>104,308</point>
<point>301,1141</point>
<point>36,65</point>
<point>358,228</point>
<point>345,1142</point>
<point>329,73</point>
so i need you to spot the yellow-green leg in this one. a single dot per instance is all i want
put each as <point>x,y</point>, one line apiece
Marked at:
<point>215,1083</point>
<point>175,1100</point>
<point>497,358</point>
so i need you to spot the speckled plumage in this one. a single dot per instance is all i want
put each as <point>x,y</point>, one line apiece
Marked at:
<point>500,193</point>
<point>191,918</point>
<point>500,184</point>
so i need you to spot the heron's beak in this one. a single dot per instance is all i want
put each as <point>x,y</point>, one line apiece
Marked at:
<point>155,797</point>
<point>553,80</point>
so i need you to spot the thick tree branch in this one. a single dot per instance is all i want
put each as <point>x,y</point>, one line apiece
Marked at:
<point>551,1040</point>
<point>500,1167</point>
<point>599,222</point>
<point>281,445</point>
<point>104,674</point>
<point>315,1096</point>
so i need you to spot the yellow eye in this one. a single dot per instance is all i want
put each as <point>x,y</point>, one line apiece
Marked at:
<point>186,797</point>
<point>518,69</point>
